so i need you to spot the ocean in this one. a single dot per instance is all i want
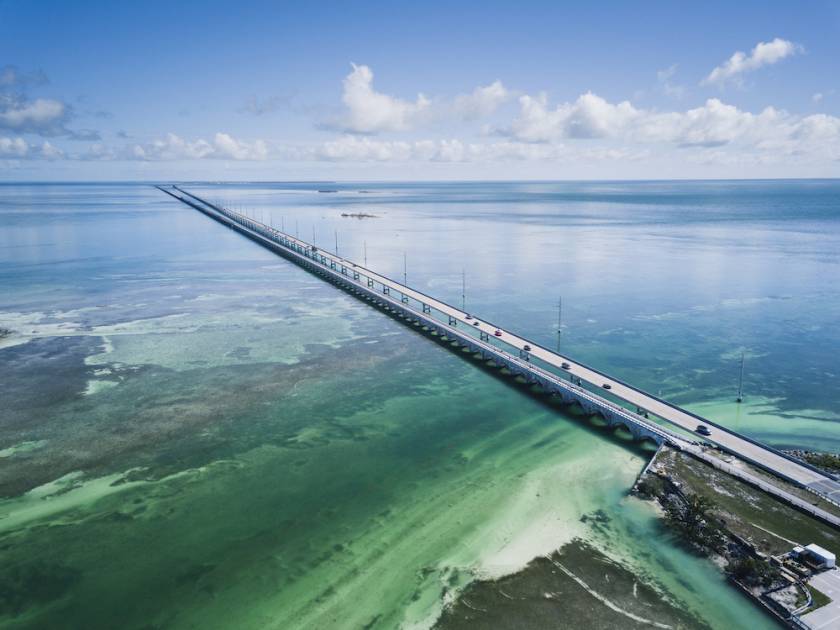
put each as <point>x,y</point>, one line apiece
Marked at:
<point>197,433</point>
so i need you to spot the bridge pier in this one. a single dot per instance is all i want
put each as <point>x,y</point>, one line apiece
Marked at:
<point>518,365</point>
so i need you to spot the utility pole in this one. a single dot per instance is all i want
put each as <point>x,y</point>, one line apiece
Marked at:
<point>297,232</point>
<point>741,381</point>
<point>313,234</point>
<point>283,224</point>
<point>365,253</point>
<point>336,242</point>
<point>405,269</point>
<point>463,290</point>
<point>559,321</point>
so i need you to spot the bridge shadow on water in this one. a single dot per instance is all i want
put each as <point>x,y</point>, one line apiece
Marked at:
<point>594,424</point>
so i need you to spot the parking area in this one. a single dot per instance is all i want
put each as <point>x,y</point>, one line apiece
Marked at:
<point>827,582</point>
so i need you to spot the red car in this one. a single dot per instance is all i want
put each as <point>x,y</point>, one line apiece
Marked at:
<point>498,333</point>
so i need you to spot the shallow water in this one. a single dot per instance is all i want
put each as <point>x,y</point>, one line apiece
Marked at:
<point>195,432</point>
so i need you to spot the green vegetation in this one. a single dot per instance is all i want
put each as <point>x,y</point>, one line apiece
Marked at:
<point>650,486</point>
<point>819,598</point>
<point>827,461</point>
<point>748,512</point>
<point>694,520</point>
<point>752,571</point>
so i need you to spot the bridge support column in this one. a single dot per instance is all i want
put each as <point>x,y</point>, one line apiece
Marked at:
<point>427,308</point>
<point>355,275</point>
<point>370,282</point>
<point>453,321</point>
<point>483,336</point>
<point>386,290</point>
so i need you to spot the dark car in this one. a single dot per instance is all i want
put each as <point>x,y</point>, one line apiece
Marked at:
<point>702,429</point>
<point>565,366</point>
<point>606,386</point>
<point>527,348</point>
<point>475,323</point>
<point>469,316</point>
<point>498,333</point>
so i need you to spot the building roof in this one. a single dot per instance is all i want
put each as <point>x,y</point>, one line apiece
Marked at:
<point>820,552</point>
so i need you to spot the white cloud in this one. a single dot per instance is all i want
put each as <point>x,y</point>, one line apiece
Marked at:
<point>351,148</point>
<point>764,54</point>
<point>19,148</point>
<point>483,101</point>
<point>713,124</point>
<point>370,111</point>
<point>590,116</point>
<point>817,97</point>
<point>228,147</point>
<point>42,116</point>
<point>173,147</point>
<point>45,116</point>
<point>223,146</point>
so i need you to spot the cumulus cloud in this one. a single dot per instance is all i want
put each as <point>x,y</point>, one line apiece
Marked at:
<point>590,116</point>
<point>482,101</point>
<point>18,148</point>
<point>763,54</point>
<point>42,116</point>
<point>713,124</point>
<point>352,148</point>
<point>369,111</point>
<point>173,147</point>
<point>20,113</point>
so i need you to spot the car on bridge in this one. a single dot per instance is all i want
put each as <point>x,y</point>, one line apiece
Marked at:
<point>527,348</point>
<point>498,333</point>
<point>565,366</point>
<point>606,386</point>
<point>702,429</point>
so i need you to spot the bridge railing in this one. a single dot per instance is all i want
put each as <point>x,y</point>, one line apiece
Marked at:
<point>526,366</point>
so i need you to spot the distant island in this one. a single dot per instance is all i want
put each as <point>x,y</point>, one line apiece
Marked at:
<point>359,215</point>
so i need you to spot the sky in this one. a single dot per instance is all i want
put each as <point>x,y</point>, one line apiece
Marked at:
<point>407,90</point>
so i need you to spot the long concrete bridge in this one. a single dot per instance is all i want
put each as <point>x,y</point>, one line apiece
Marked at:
<point>619,403</point>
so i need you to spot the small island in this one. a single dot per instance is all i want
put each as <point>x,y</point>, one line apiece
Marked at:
<point>359,215</point>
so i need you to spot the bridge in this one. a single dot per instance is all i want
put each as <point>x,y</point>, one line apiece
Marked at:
<point>645,416</point>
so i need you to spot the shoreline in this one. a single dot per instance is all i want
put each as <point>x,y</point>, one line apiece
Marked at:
<point>715,516</point>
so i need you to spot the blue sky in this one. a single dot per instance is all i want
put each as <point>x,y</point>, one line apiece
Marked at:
<point>481,90</point>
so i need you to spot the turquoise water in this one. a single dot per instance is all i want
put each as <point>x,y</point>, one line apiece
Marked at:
<point>195,432</point>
